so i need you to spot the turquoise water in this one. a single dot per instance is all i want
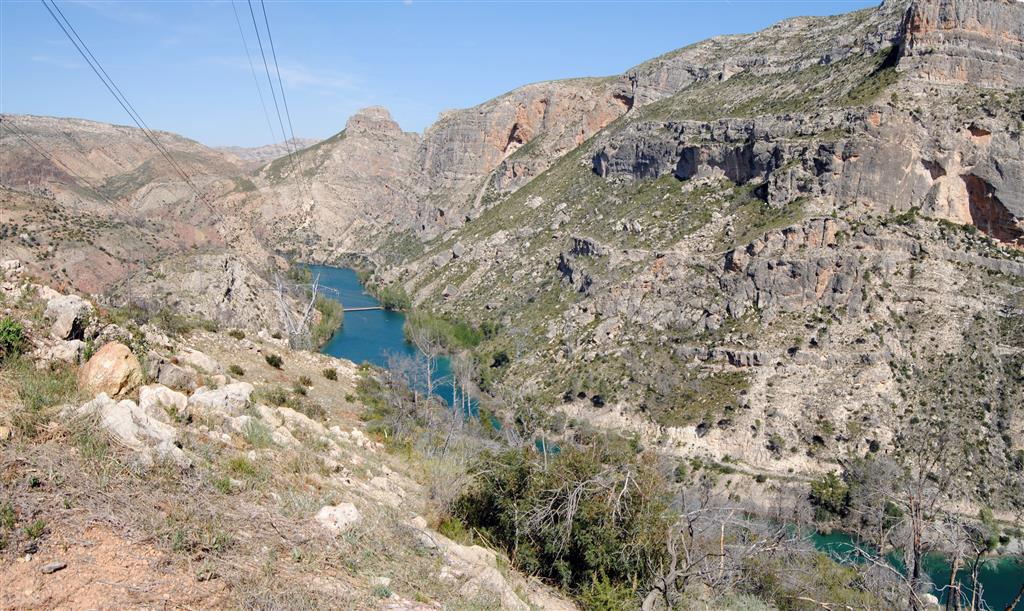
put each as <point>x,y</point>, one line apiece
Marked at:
<point>1000,578</point>
<point>371,336</point>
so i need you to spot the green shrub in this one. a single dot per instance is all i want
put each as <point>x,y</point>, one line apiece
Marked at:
<point>332,316</point>
<point>274,361</point>
<point>830,495</point>
<point>256,434</point>
<point>453,335</point>
<point>601,594</point>
<point>305,381</point>
<point>12,338</point>
<point>242,466</point>
<point>40,390</point>
<point>8,518</point>
<point>394,298</point>
<point>35,529</point>
<point>617,537</point>
<point>236,371</point>
<point>237,334</point>
<point>331,373</point>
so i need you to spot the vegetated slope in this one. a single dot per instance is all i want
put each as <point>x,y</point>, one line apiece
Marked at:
<point>788,259</point>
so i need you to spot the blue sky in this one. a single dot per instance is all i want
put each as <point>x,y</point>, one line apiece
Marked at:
<point>183,66</point>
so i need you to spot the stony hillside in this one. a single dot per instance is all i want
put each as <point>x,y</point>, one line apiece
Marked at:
<point>141,468</point>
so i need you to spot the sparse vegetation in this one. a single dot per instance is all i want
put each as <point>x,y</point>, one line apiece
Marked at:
<point>12,338</point>
<point>274,360</point>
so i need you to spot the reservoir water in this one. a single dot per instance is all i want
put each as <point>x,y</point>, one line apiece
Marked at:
<point>373,335</point>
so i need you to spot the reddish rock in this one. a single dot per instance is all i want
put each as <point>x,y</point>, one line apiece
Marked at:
<point>113,370</point>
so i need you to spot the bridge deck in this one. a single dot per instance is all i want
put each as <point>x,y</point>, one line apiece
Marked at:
<point>364,309</point>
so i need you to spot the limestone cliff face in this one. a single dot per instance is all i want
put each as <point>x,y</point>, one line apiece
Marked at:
<point>540,122</point>
<point>373,180</point>
<point>792,44</point>
<point>777,244</point>
<point>980,43</point>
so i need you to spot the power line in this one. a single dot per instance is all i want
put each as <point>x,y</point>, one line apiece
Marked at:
<point>122,100</point>
<point>288,143</point>
<point>252,69</point>
<point>270,82</point>
<point>277,68</point>
<point>112,87</point>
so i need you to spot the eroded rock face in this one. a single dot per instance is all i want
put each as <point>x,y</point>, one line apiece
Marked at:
<point>113,370</point>
<point>980,43</point>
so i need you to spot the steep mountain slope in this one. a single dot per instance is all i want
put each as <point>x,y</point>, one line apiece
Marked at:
<point>105,212</point>
<point>770,262</point>
<point>373,182</point>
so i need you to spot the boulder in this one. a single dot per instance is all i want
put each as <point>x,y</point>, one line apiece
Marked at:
<point>135,429</point>
<point>69,315</point>
<point>113,370</point>
<point>200,361</point>
<point>338,518</point>
<point>171,375</point>
<point>229,400</point>
<point>69,351</point>
<point>160,402</point>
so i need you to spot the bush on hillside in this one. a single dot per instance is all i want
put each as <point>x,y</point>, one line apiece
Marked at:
<point>12,338</point>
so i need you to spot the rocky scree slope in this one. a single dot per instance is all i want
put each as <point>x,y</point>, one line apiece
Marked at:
<point>238,483</point>
<point>785,260</point>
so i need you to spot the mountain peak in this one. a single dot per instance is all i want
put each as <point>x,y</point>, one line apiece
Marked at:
<point>372,119</point>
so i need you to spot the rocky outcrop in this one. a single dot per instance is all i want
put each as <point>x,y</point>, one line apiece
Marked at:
<point>113,370</point>
<point>339,518</point>
<point>978,43</point>
<point>230,400</point>
<point>147,437</point>
<point>70,315</point>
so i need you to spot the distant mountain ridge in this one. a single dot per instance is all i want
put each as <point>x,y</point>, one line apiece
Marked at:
<point>267,152</point>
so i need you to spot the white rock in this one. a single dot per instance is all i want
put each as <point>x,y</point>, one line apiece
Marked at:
<point>131,426</point>
<point>338,518</point>
<point>297,420</point>
<point>158,401</point>
<point>70,314</point>
<point>283,437</point>
<point>69,351</point>
<point>269,415</point>
<point>229,400</point>
<point>200,361</point>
